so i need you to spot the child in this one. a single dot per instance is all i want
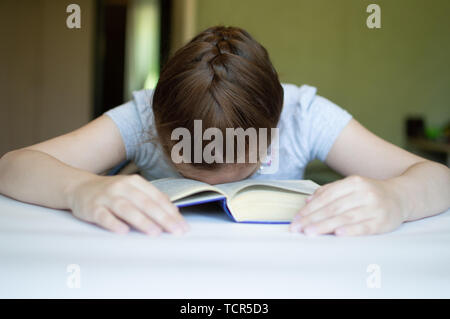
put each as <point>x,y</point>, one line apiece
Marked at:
<point>225,78</point>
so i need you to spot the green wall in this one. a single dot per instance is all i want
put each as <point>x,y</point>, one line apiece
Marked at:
<point>378,75</point>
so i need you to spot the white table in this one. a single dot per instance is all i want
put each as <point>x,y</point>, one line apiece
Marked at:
<point>217,259</point>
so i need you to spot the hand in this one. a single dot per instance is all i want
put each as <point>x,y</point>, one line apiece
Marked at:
<point>113,202</point>
<point>352,206</point>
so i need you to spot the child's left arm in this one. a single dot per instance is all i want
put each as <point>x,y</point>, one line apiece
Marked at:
<point>387,187</point>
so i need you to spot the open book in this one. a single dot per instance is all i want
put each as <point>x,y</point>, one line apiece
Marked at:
<point>250,201</point>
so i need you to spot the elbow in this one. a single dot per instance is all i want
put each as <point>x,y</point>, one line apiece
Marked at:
<point>4,159</point>
<point>7,158</point>
<point>434,164</point>
<point>445,170</point>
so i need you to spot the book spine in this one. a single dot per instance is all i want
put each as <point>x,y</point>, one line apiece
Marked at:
<point>224,205</point>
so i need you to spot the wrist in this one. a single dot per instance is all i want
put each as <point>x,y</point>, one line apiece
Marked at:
<point>73,185</point>
<point>403,202</point>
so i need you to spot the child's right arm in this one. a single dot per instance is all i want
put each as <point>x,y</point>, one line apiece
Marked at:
<point>62,173</point>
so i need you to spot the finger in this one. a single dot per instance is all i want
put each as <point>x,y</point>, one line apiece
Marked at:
<point>332,191</point>
<point>124,209</point>
<point>367,227</point>
<point>324,196</point>
<point>169,222</point>
<point>149,189</point>
<point>157,196</point>
<point>332,209</point>
<point>104,218</point>
<point>350,217</point>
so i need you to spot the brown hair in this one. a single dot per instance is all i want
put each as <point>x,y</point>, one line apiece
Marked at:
<point>223,77</point>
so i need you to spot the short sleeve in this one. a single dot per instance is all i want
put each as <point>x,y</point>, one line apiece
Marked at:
<point>133,120</point>
<point>321,122</point>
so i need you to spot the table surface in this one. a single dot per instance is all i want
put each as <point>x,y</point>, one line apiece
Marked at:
<point>216,259</point>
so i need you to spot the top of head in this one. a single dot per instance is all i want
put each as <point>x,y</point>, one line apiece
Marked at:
<point>222,77</point>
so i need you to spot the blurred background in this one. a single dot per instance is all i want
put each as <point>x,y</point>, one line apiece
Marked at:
<point>395,80</point>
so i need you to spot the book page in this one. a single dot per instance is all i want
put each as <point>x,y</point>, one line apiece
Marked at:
<point>266,204</point>
<point>177,188</point>
<point>198,198</point>
<point>300,186</point>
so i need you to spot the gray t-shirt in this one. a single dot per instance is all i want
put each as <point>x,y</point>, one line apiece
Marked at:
<point>309,124</point>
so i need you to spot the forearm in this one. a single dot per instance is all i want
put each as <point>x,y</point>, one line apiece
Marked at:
<point>38,178</point>
<point>423,189</point>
